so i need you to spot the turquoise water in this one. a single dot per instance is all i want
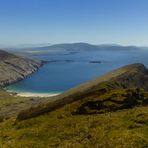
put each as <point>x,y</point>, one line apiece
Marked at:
<point>68,68</point>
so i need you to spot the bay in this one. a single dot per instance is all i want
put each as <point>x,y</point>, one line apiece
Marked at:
<point>65,69</point>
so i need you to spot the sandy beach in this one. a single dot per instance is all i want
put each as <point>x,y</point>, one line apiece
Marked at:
<point>28,94</point>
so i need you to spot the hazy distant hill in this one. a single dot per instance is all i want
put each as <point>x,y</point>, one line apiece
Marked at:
<point>84,46</point>
<point>73,47</point>
<point>14,68</point>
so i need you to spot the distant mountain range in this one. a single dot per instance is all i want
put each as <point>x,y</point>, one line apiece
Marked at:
<point>84,46</point>
<point>66,46</point>
<point>71,47</point>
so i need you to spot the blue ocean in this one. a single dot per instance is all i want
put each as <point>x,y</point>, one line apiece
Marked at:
<point>65,69</point>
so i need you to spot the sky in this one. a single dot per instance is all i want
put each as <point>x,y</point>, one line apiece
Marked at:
<point>66,21</point>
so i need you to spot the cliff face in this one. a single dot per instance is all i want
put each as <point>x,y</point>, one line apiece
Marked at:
<point>99,92</point>
<point>14,68</point>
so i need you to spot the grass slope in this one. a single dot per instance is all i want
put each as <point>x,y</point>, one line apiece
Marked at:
<point>108,114</point>
<point>11,105</point>
<point>126,128</point>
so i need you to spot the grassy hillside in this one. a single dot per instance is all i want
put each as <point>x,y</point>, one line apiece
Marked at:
<point>60,128</point>
<point>121,122</point>
<point>109,112</point>
<point>11,104</point>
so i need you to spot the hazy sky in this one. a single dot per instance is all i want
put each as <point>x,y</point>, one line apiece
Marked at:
<point>57,21</point>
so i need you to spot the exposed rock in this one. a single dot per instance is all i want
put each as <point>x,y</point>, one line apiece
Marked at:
<point>14,68</point>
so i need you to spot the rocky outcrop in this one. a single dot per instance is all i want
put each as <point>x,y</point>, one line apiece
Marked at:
<point>131,76</point>
<point>14,68</point>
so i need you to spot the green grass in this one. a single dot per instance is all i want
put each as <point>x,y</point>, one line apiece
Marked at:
<point>11,105</point>
<point>126,128</point>
<point>112,100</point>
<point>7,99</point>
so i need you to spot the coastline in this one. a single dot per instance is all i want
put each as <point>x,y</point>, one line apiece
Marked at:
<point>29,94</point>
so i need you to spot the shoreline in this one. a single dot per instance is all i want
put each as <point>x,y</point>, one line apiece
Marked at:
<point>43,95</point>
<point>31,94</point>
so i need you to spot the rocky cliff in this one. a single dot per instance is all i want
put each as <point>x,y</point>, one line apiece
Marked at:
<point>95,94</point>
<point>14,68</point>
